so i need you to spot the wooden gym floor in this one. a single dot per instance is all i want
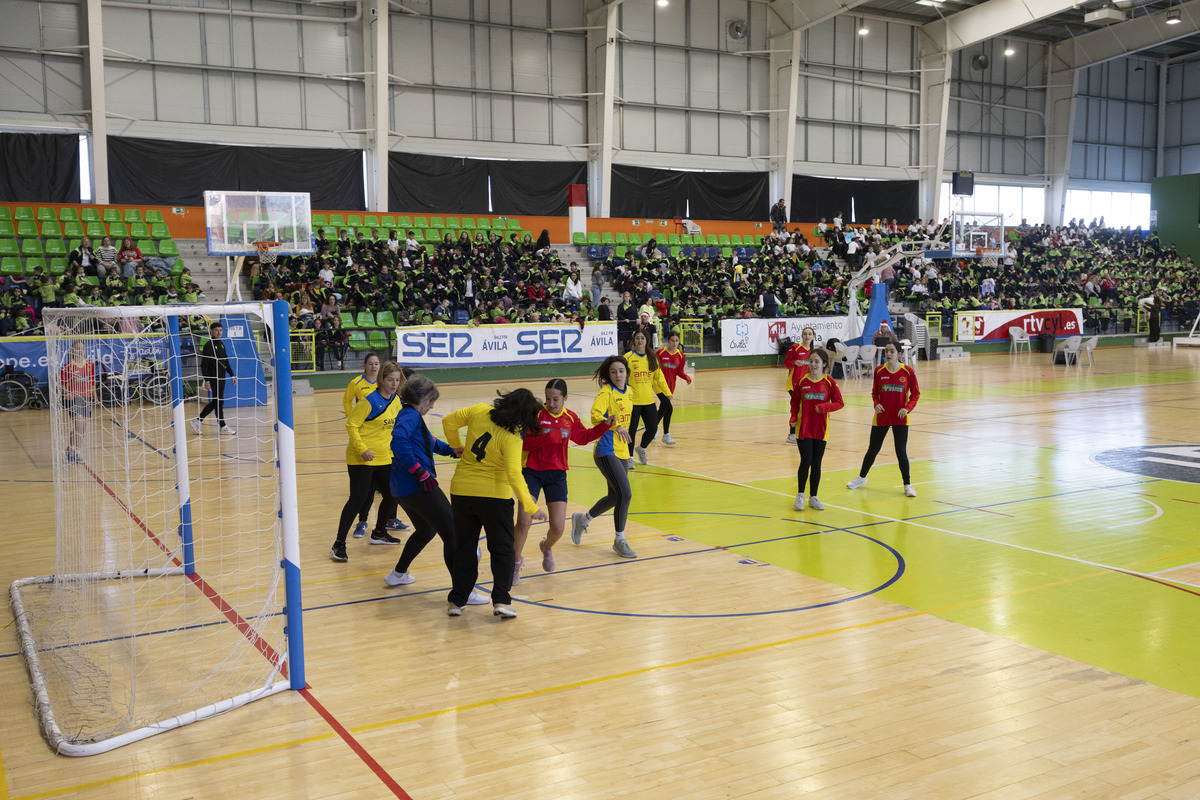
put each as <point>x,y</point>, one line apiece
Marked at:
<point>1029,626</point>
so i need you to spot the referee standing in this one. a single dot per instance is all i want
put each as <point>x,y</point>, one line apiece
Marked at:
<point>214,366</point>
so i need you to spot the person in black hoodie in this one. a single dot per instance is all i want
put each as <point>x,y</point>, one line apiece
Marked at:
<point>214,365</point>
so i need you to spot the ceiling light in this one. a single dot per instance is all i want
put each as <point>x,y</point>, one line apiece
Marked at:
<point>1008,49</point>
<point>930,3</point>
<point>662,3</point>
<point>863,30</point>
<point>1173,17</point>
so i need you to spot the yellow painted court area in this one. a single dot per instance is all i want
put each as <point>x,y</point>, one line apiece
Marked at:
<point>1028,626</point>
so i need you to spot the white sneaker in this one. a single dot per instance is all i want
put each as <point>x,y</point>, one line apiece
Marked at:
<point>856,482</point>
<point>504,611</point>
<point>478,599</point>
<point>791,438</point>
<point>517,571</point>
<point>196,425</point>
<point>667,439</point>
<point>578,526</point>
<point>453,610</point>
<point>815,504</point>
<point>641,454</point>
<point>228,431</point>
<point>394,578</point>
<point>629,465</point>
<point>621,547</point>
<point>909,491</point>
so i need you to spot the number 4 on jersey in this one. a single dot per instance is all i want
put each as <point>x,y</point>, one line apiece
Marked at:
<point>480,447</point>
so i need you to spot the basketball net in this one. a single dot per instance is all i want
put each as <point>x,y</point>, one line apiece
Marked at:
<point>267,251</point>
<point>989,256</point>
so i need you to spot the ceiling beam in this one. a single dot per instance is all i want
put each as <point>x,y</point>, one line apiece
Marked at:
<point>987,21</point>
<point>1140,33</point>
<point>794,16</point>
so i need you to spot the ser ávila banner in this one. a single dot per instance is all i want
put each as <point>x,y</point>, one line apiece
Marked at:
<point>502,345</point>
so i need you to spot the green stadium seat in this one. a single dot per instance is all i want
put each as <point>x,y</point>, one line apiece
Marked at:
<point>673,239</point>
<point>594,237</point>
<point>365,319</point>
<point>31,247</point>
<point>387,221</point>
<point>90,280</point>
<point>723,240</point>
<point>73,229</point>
<point>579,238</point>
<point>347,319</point>
<point>71,245</point>
<point>358,341</point>
<point>159,230</point>
<point>711,240</point>
<point>68,215</point>
<point>147,247</point>
<point>96,230</point>
<point>27,228</point>
<point>319,221</point>
<point>10,265</point>
<point>23,212</point>
<point>133,215</point>
<point>380,340</point>
<point>385,319</point>
<point>622,238</point>
<point>370,221</point>
<point>152,216</point>
<point>331,233</point>
<point>686,240</point>
<point>675,251</point>
<point>727,251</point>
<point>498,225</point>
<point>365,231</point>
<point>167,248</point>
<point>468,223</point>
<point>437,222</point>
<point>452,222</point>
<point>9,248</point>
<point>44,214</point>
<point>118,230</point>
<point>55,247</point>
<point>735,240</point>
<point>58,265</point>
<point>33,263</point>
<point>404,222</point>
<point>7,231</point>
<point>607,238</point>
<point>337,220</point>
<point>110,215</point>
<point>5,212</point>
<point>89,215</point>
<point>139,230</point>
<point>420,222</point>
<point>354,220</point>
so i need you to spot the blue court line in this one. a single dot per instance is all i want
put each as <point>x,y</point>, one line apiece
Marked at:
<point>133,435</point>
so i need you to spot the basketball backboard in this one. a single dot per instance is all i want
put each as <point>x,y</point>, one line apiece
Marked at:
<point>977,233</point>
<point>235,220</point>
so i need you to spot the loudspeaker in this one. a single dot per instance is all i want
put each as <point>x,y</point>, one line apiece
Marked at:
<point>962,183</point>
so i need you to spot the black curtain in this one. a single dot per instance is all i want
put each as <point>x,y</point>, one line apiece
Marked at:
<point>538,188</point>
<point>813,198</point>
<point>648,193</point>
<point>728,195</point>
<point>164,173</point>
<point>435,183</point>
<point>39,167</point>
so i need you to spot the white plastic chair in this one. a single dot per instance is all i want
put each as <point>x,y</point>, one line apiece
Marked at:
<point>849,360</point>
<point>1018,337</point>
<point>1087,347</point>
<point>1070,350</point>
<point>866,360</point>
<point>908,353</point>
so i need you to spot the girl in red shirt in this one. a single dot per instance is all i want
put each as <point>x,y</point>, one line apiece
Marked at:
<point>78,381</point>
<point>546,468</point>
<point>895,393</point>
<point>815,397</point>
<point>671,361</point>
<point>796,362</point>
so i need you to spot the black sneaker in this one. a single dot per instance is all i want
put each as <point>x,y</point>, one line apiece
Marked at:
<point>383,538</point>
<point>338,551</point>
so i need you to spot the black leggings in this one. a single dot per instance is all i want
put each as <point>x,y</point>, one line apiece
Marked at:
<point>619,494</point>
<point>665,410</point>
<point>365,480</point>
<point>216,402</point>
<point>431,515</point>
<point>495,516</point>
<point>811,453</point>
<point>649,414</point>
<point>899,438</point>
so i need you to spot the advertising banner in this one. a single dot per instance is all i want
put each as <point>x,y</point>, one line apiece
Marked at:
<point>992,326</point>
<point>500,345</point>
<point>760,337</point>
<point>113,352</point>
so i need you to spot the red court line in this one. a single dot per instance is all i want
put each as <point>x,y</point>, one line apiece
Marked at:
<point>263,647</point>
<point>1181,500</point>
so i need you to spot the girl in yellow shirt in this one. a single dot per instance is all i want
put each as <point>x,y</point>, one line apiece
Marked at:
<point>482,488</point>
<point>369,457</point>
<point>355,393</point>
<point>647,381</point>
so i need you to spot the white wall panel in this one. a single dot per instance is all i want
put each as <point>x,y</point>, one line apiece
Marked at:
<point>670,77</point>
<point>532,121</point>
<point>500,53</point>
<point>21,88</point>
<point>570,123</point>
<point>670,134</point>
<point>412,49</point>
<point>412,113</point>
<point>637,129</point>
<point>637,73</point>
<point>503,118</point>
<point>568,59</point>
<point>22,25</point>
<point>268,36</point>
<point>530,65</point>
<point>176,37</point>
<point>127,31</point>
<point>279,103</point>
<point>819,137</point>
<point>451,40</point>
<point>179,96</point>
<point>708,37</point>
<point>325,50</point>
<point>704,134</point>
<point>1189,160</point>
<point>452,115</point>
<point>732,83</point>
<point>873,144</point>
<point>702,87</point>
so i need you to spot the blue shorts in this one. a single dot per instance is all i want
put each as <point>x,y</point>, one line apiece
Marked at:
<point>554,481</point>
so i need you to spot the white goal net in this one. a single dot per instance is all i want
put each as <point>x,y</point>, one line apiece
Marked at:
<point>175,550</point>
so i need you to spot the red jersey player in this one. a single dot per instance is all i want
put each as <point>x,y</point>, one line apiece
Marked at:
<point>78,380</point>
<point>546,468</point>
<point>814,398</point>
<point>895,393</point>
<point>796,362</point>
<point>671,361</point>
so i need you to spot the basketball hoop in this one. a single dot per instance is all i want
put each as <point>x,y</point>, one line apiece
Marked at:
<point>267,251</point>
<point>989,256</point>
